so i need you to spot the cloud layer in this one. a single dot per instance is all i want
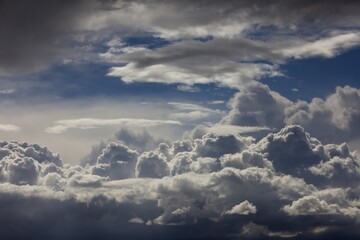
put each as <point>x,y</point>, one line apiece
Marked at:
<point>244,187</point>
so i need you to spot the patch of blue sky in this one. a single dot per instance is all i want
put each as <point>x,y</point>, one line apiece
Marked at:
<point>317,77</point>
<point>89,80</point>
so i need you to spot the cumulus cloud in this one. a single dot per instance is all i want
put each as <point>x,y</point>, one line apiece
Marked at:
<point>116,161</point>
<point>213,181</point>
<point>257,106</point>
<point>152,164</point>
<point>334,119</point>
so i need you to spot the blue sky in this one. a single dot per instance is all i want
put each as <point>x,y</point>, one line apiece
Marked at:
<point>167,117</point>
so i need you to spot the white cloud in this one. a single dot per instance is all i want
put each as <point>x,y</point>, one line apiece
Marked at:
<point>8,127</point>
<point>187,88</point>
<point>325,47</point>
<point>89,123</point>
<point>7,91</point>
<point>244,208</point>
<point>194,113</point>
<point>334,119</point>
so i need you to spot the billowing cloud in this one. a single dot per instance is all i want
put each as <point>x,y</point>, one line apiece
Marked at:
<point>334,119</point>
<point>257,106</point>
<point>116,161</point>
<point>216,181</point>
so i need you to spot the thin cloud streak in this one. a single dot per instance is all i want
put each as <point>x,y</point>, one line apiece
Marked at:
<point>89,123</point>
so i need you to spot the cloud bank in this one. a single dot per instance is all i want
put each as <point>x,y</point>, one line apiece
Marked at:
<point>237,185</point>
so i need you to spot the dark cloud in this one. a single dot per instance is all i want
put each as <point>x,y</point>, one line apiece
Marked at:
<point>33,34</point>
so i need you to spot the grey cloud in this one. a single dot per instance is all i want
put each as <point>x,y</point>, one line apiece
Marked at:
<point>152,164</point>
<point>139,139</point>
<point>231,18</point>
<point>334,119</point>
<point>23,163</point>
<point>34,33</point>
<point>329,202</point>
<point>245,159</point>
<point>211,145</point>
<point>181,189</point>
<point>339,171</point>
<point>22,171</point>
<point>291,150</point>
<point>257,105</point>
<point>116,161</point>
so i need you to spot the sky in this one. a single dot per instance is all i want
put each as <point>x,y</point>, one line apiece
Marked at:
<point>179,119</point>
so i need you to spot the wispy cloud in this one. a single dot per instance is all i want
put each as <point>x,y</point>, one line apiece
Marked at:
<point>89,123</point>
<point>9,127</point>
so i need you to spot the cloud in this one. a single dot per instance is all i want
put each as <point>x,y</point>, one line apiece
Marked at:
<point>188,112</point>
<point>185,186</point>
<point>7,91</point>
<point>243,208</point>
<point>34,33</point>
<point>230,62</point>
<point>116,161</point>
<point>226,129</point>
<point>89,123</point>
<point>333,119</point>
<point>152,164</point>
<point>8,127</point>
<point>139,139</point>
<point>328,47</point>
<point>167,22</point>
<point>187,88</point>
<point>257,106</point>
<point>225,49</point>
